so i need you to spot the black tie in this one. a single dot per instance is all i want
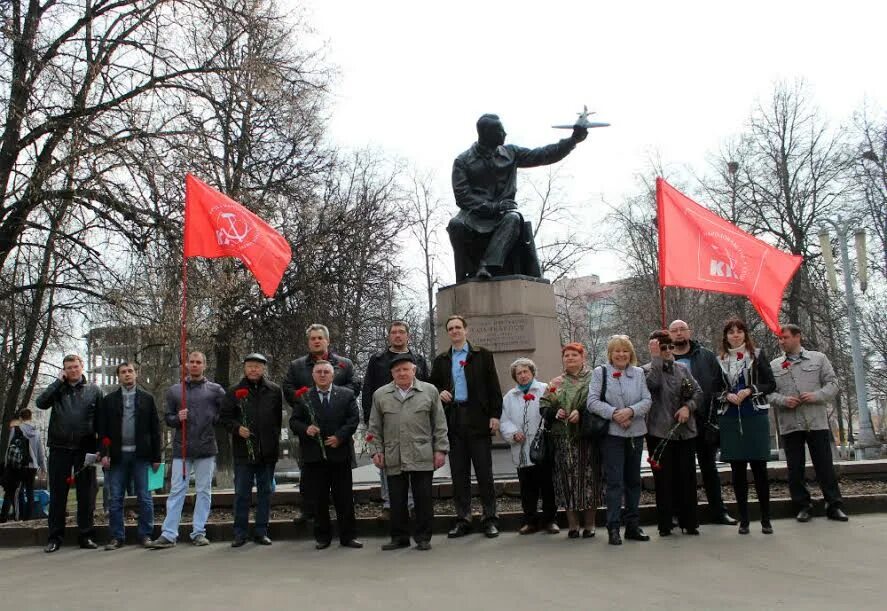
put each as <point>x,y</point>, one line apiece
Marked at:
<point>324,400</point>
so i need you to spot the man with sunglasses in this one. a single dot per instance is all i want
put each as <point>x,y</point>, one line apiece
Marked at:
<point>703,364</point>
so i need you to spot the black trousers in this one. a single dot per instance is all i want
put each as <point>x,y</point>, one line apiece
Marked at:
<point>740,487</point>
<point>711,480</point>
<point>62,463</point>
<point>465,451</point>
<point>820,445</point>
<point>398,487</point>
<point>321,480</point>
<point>536,481</point>
<point>675,483</point>
<point>16,478</point>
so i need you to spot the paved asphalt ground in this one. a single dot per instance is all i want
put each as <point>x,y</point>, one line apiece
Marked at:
<point>819,565</point>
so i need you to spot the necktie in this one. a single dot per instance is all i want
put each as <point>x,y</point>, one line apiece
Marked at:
<point>324,400</point>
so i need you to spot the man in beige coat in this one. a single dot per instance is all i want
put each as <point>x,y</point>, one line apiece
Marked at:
<point>407,437</point>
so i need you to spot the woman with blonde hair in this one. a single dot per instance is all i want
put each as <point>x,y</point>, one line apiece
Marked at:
<point>619,393</point>
<point>577,467</point>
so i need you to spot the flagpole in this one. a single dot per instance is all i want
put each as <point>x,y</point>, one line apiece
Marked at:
<point>661,239</point>
<point>662,304</point>
<point>183,340</point>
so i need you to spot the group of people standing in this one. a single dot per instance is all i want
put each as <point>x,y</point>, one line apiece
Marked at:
<point>576,440</point>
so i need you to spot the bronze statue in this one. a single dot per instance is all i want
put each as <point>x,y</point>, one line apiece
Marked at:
<point>489,236</point>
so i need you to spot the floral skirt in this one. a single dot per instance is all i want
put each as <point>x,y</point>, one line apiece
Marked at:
<point>577,474</point>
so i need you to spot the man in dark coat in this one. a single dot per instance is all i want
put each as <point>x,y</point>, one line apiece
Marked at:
<point>485,186</point>
<point>129,432</point>
<point>325,418</point>
<point>252,411</point>
<point>300,374</point>
<point>73,422</point>
<point>465,375</point>
<point>378,374</point>
<point>706,370</point>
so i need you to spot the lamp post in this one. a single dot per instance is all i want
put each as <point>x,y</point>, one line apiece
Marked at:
<point>865,439</point>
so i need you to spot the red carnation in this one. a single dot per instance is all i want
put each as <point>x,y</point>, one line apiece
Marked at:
<point>301,392</point>
<point>342,365</point>
<point>552,389</point>
<point>529,396</point>
<point>106,442</point>
<point>69,480</point>
<point>617,374</point>
<point>656,466</point>
<point>786,364</point>
<point>370,437</point>
<point>739,356</point>
<point>241,393</point>
<point>462,363</point>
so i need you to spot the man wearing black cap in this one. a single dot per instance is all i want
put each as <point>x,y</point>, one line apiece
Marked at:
<point>252,410</point>
<point>408,439</point>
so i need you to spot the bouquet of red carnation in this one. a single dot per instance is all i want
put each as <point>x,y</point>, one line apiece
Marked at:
<point>241,394</point>
<point>312,415</point>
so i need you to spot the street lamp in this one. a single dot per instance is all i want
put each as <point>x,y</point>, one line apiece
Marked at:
<point>865,439</point>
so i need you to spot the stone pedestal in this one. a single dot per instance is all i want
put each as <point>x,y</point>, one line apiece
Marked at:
<point>511,316</point>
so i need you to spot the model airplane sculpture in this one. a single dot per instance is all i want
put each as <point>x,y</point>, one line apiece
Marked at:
<point>583,122</point>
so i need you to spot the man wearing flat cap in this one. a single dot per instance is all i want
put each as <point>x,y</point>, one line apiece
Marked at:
<point>408,439</point>
<point>252,411</point>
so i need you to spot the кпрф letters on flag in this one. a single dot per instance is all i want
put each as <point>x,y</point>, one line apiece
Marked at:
<point>217,226</point>
<point>700,250</point>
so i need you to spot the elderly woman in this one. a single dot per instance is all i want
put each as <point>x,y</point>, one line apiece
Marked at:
<point>745,418</point>
<point>577,468</point>
<point>671,432</point>
<point>619,393</point>
<point>519,425</point>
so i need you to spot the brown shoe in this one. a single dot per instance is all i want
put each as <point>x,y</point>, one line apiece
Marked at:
<point>526,529</point>
<point>552,529</point>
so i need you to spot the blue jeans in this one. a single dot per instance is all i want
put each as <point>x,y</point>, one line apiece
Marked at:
<point>203,469</point>
<point>120,473</point>
<point>244,478</point>
<point>622,468</point>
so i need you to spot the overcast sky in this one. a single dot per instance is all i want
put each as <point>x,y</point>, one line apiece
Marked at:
<point>674,78</point>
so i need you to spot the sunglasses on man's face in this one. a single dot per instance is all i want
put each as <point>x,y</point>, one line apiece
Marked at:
<point>668,347</point>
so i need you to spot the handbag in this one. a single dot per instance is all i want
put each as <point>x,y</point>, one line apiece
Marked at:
<point>540,449</point>
<point>595,427</point>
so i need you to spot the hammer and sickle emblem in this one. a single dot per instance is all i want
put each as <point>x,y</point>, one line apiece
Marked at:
<point>236,231</point>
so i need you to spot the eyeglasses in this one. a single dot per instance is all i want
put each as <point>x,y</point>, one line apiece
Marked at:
<point>668,347</point>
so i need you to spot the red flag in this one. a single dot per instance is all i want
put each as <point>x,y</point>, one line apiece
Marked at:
<point>700,250</point>
<point>217,226</point>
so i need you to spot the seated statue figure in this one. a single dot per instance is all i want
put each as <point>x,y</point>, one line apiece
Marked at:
<point>489,236</point>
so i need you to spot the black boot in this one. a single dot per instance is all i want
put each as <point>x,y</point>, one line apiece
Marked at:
<point>615,537</point>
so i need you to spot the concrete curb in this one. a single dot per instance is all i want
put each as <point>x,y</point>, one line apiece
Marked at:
<point>285,529</point>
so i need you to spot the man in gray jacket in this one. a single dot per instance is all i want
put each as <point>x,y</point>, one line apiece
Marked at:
<point>407,437</point>
<point>805,383</point>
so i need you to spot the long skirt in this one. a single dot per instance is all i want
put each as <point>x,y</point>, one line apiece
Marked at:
<point>577,473</point>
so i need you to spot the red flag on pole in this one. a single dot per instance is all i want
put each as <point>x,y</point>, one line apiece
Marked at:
<point>217,226</point>
<point>700,250</point>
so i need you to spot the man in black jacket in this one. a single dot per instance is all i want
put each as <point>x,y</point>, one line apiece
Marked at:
<point>129,430</point>
<point>703,364</point>
<point>300,374</point>
<point>72,434</point>
<point>378,375</point>
<point>465,375</point>
<point>252,411</point>
<point>325,418</point>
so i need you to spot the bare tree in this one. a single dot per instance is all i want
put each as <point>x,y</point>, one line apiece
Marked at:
<point>426,217</point>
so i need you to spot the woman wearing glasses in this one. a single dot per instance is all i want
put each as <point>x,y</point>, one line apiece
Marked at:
<point>745,418</point>
<point>619,393</point>
<point>670,435</point>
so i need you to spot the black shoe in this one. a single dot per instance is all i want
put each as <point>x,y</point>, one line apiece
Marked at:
<point>766,527</point>
<point>837,514</point>
<point>573,534</point>
<point>587,533</point>
<point>113,544</point>
<point>726,519</point>
<point>263,540</point>
<point>238,542</point>
<point>690,531</point>
<point>392,545</point>
<point>636,534</point>
<point>490,530</point>
<point>743,528</point>
<point>664,532</point>
<point>353,544</point>
<point>423,546</point>
<point>803,515</point>
<point>88,544</point>
<point>459,530</point>
<point>321,544</point>
<point>615,537</point>
<point>52,546</point>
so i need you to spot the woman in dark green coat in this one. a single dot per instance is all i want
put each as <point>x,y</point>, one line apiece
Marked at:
<point>745,418</point>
